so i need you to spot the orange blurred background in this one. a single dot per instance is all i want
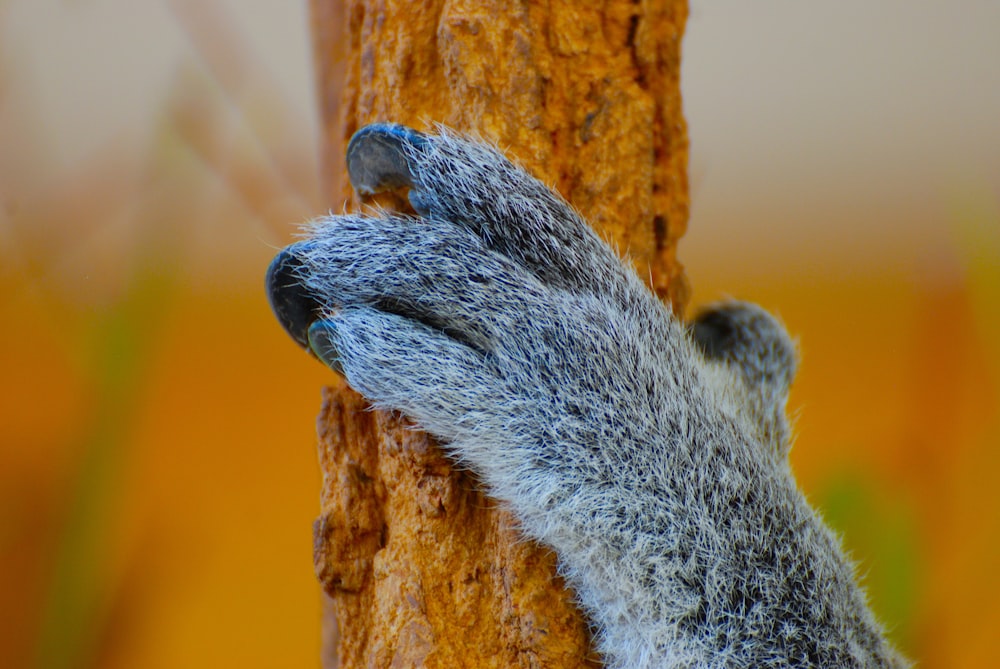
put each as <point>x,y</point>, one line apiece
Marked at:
<point>158,476</point>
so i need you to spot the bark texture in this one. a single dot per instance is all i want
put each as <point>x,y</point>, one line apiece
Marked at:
<point>421,569</point>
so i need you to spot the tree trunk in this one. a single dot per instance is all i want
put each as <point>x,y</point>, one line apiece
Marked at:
<point>421,569</point>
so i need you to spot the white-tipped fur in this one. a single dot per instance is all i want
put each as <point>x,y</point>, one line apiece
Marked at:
<point>650,456</point>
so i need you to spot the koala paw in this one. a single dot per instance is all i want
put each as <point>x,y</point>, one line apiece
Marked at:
<point>641,450</point>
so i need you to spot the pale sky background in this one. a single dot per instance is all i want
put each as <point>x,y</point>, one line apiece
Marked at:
<point>821,133</point>
<point>838,129</point>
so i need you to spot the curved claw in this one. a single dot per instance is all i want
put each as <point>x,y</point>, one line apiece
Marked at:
<point>420,202</point>
<point>294,307</point>
<point>377,158</point>
<point>321,335</point>
<point>714,332</point>
<point>748,338</point>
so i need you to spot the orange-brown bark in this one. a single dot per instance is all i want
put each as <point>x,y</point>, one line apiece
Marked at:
<point>421,568</point>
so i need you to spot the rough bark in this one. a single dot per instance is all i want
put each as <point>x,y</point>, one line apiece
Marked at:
<point>421,569</point>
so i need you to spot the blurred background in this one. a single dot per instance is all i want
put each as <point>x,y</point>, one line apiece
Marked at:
<point>158,477</point>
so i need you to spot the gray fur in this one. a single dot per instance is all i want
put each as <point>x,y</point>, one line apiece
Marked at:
<point>650,456</point>
<point>755,361</point>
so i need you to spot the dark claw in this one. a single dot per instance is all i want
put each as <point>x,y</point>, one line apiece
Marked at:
<point>376,157</point>
<point>714,332</point>
<point>321,335</point>
<point>295,308</point>
<point>419,202</point>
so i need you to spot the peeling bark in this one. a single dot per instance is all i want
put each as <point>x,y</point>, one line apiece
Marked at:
<point>421,569</point>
